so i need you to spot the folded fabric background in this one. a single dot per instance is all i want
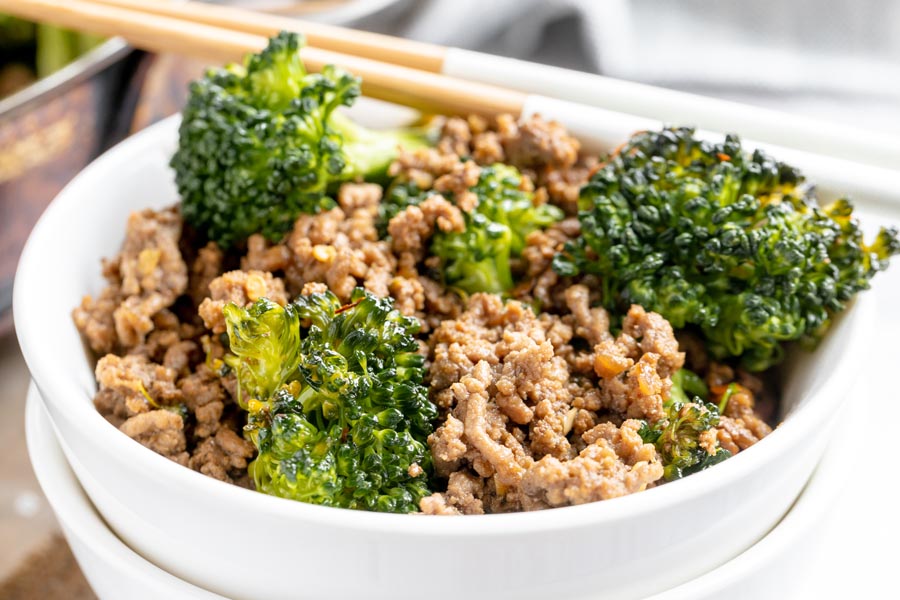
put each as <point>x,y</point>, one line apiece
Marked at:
<point>836,59</point>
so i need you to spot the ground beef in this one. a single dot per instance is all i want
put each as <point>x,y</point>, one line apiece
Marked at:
<point>564,185</point>
<point>535,143</point>
<point>615,463</point>
<point>340,249</point>
<point>456,184</point>
<point>156,366</point>
<point>224,456</point>
<point>205,397</point>
<point>741,426</point>
<point>262,256</point>
<point>167,332</point>
<point>241,288</point>
<point>636,366</point>
<point>545,153</point>
<point>412,228</point>
<point>527,429</point>
<point>94,316</point>
<point>499,453</point>
<point>421,167</point>
<point>132,385</point>
<point>180,356</point>
<point>536,411</point>
<point>541,282</point>
<point>147,277</point>
<point>160,430</point>
<point>205,268</point>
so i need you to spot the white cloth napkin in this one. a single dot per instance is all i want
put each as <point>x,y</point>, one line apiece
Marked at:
<point>820,56</point>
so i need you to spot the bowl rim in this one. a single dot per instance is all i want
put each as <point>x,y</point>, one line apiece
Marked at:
<point>57,391</point>
<point>74,510</point>
<point>79,515</point>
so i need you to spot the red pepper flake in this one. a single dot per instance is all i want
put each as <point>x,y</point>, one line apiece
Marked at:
<point>347,307</point>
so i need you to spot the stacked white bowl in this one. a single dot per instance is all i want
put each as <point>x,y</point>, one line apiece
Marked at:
<point>246,545</point>
<point>774,567</point>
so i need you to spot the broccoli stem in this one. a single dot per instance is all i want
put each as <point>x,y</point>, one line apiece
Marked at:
<point>370,152</point>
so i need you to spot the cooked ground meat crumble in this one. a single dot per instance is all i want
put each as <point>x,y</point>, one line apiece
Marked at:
<point>536,410</point>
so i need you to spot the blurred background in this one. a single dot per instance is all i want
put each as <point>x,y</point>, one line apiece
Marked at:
<point>64,98</point>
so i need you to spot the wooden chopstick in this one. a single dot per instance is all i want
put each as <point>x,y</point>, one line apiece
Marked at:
<point>375,46</point>
<point>763,125</point>
<point>401,85</point>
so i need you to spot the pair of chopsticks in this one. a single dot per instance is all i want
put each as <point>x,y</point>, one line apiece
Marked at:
<point>223,34</point>
<point>450,80</point>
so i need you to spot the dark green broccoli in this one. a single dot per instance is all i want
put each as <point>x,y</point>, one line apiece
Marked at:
<point>337,407</point>
<point>677,435</point>
<point>710,235</point>
<point>478,259</point>
<point>262,142</point>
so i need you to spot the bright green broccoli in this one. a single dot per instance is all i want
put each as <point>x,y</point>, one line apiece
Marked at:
<point>479,259</point>
<point>687,385</point>
<point>264,343</point>
<point>337,408</point>
<point>677,435</point>
<point>262,142</point>
<point>732,242</point>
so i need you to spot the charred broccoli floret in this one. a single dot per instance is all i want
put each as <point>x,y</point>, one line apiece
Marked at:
<point>730,241</point>
<point>677,436</point>
<point>262,142</point>
<point>337,408</point>
<point>479,258</point>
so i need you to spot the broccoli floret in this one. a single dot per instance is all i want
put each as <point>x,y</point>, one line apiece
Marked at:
<point>686,385</point>
<point>369,153</point>
<point>730,241</point>
<point>264,343</point>
<point>261,142</point>
<point>677,435</point>
<point>337,407</point>
<point>478,259</point>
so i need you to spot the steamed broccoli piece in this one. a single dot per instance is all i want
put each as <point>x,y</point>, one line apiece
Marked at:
<point>686,385</point>
<point>262,142</point>
<point>337,407</point>
<point>265,347</point>
<point>478,259</point>
<point>677,435</point>
<point>369,153</point>
<point>710,235</point>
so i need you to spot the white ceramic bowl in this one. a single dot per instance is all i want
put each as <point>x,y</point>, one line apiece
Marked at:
<point>113,569</point>
<point>248,545</point>
<point>774,567</point>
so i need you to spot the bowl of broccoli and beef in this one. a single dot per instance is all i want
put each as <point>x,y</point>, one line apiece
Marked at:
<point>463,317</point>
